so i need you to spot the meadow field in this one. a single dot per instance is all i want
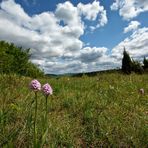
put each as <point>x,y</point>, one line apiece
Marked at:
<point>106,110</point>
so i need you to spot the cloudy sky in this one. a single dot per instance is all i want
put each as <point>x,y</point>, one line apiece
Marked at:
<point>76,35</point>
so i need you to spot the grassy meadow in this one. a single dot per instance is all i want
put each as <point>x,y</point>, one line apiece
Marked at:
<point>106,110</point>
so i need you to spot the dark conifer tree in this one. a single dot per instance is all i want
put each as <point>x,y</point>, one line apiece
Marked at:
<point>145,63</point>
<point>126,63</point>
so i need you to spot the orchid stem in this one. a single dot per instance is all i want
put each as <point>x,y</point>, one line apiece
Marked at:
<point>46,118</point>
<point>35,134</point>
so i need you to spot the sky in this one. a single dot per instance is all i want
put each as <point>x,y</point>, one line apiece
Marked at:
<point>76,35</point>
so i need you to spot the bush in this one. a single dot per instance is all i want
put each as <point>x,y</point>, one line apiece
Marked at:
<point>137,67</point>
<point>33,71</point>
<point>16,60</point>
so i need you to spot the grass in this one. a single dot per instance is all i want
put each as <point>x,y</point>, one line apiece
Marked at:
<point>102,111</point>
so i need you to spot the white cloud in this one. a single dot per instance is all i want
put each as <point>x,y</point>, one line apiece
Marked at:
<point>88,54</point>
<point>65,67</point>
<point>115,5</point>
<point>129,9</point>
<point>56,47</point>
<point>133,25</point>
<point>136,45</point>
<point>92,28</point>
<point>69,14</point>
<point>94,11</point>
<point>90,11</point>
<point>18,16</point>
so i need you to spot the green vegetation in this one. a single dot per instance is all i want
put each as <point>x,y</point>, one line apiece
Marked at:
<point>126,63</point>
<point>16,60</point>
<point>106,110</point>
<point>129,65</point>
<point>145,63</point>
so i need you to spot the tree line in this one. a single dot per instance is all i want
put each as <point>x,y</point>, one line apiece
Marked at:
<point>14,59</point>
<point>130,65</point>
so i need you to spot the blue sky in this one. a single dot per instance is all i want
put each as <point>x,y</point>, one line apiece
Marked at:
<point>76,36</point>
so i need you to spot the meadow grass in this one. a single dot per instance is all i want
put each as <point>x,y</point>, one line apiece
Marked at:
<point>106,110</point>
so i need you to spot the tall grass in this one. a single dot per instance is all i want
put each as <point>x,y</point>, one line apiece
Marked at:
<point>105,110</point>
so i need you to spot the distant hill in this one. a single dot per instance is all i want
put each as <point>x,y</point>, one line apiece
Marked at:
<point>93,73</point>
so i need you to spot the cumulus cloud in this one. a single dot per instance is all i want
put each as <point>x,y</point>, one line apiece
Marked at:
<point>136,45</point>
<point>54,37</point>
<point>69,14</point>
<point>88,54</point>
<point>93,11</point>
<point>18,16</point>
<point>133,25</point>
<point>129,9</point>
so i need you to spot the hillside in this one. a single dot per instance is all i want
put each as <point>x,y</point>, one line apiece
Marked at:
<point>104,110</point>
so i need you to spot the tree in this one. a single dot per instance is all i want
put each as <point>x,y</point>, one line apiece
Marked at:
<point>14,59</point>
<point>145,63</point>
<point>126,63</point>
<point>137,67</point>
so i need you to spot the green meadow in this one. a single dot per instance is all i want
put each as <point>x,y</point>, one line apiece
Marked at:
<point>106,110</point>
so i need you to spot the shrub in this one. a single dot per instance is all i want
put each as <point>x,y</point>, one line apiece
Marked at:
<point>16,60</point>
<point>137,67</point>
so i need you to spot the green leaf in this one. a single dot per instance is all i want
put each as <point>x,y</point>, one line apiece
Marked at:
<point>44,136</point>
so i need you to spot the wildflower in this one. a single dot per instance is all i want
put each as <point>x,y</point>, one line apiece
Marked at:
<point>47,90</point>
<point>141,91</point>
<point>35,85</point>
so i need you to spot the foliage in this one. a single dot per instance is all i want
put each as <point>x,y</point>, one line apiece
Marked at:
<point>137,67</point>
<point>126,63</point>
<point>145,63</point>
<point>16,60</point>
<point>129,65</point>
<point>106,110</point>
